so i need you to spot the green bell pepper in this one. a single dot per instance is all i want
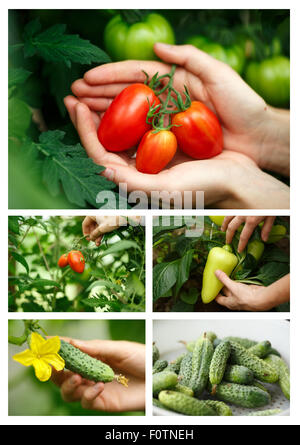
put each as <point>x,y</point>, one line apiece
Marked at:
<point>277,232</point>
<point>220,258</point>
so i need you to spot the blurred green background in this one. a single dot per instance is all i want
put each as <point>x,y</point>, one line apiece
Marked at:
<point>27,396</point>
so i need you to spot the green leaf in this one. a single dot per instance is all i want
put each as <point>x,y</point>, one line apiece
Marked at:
<point>184,267</point>
<point>271,272</point>
<point>135,286</point>
<point>20,260</point>
<point>181,306</point>
<point>54,45</point>
<point>42,283</point>
<point>17,76</point>
<point>119,247</point>
<point>105,283</point>
<point>13,224</point>
<point>190,296</point>
<point>19,118</point>
<point>164,277</point>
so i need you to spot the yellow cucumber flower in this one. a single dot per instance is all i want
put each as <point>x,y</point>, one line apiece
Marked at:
<point>41,355</point>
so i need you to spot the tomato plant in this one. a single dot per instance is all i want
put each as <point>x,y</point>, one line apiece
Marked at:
<point>76,261</point>
<point>124,122</point>
<point>155,151</point>
<point>199,133</point>
<point>135,41</point>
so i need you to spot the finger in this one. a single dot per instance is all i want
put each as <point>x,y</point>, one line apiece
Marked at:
<point>82,89</point>
<point>71,103</point>
<point>58,377</point>
<point>96,104</point>
<point>266,228</point>
<point>232,227</point>
<point>225,222</point>
<point>228,302</point>
<point>247,231</point>
<point>69,388</point>
<point>98,240</point>
<point>129,71</point>
<point>95,233</point>
<point>230,284</point>
<point>193,60</point>
<point>90,394</point>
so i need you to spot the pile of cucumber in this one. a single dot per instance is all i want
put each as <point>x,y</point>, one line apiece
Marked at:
<point>215,372</point>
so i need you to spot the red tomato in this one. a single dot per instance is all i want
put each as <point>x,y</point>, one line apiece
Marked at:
<point>63,260</point>
<point>76,261</point>
<point>155,151</point>
<point>124,122</point>
<point>200,133</point>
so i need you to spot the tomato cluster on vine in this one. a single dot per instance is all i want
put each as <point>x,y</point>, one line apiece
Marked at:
<point>137,116</point>
<point>74,259</point>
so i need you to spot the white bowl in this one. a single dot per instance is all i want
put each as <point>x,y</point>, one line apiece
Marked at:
<point>168,333</point>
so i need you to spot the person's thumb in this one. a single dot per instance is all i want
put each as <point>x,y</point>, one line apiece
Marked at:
<point>230,284</point>
<point>192,59</point>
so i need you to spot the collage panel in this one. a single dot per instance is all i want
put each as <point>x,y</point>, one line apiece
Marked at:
<point>79,367</point>
<point>76,264</point>
<point>216,367</point>
<point>221,263</point>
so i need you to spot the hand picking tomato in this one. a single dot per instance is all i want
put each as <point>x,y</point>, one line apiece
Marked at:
<point>76,261</point>
<point>124,122</point>
<point>155,151</point>
<point>63,261</point>
<point>199,133</point>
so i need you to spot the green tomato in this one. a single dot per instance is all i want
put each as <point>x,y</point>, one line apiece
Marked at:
<point>135,41</point>
<point>271,80</point>
<point>197,41</point>
<point>215,50</point>
<point>235,58</point>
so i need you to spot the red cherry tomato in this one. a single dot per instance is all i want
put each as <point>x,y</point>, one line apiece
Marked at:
<point>124,122</point>
<point>63,260</point>
<point>155,151</point>
<point>76,261</point>
<point>199,134</point>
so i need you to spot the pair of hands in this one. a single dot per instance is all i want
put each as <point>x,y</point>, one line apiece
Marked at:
<point>127,358</point>
<point>238,296</point>
<point>255,135</point>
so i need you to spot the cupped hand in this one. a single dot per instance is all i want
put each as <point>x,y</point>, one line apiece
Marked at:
<point>127,358</point>
<point>90,230</point>
<point>246,119</point>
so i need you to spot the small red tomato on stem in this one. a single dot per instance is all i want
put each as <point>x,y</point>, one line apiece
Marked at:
<point>197,130</point>
<point>63,261</point>
<point>124,122</point>
<point>155,151</point>
<point>76,261</point>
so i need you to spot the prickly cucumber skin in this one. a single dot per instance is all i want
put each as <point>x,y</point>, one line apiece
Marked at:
<point>174,365</point>
<point>238,374</point>
<point>218,362</point>
<point>83,364</point>
<point>220,407</point>
<point>163,380</point>
<point>184,404</point>
<point>185,372</point>
<point>159,366</point>
<point>242,341</point>
<point>157,403</point>
<point>184,389</point>
<point>155,353</point>
<point>283,372</point>
<point>209,334</point>
<point>266,412</point>
<point>261,370</point>
<point>261,349</point>
<point>202,355</point>
<point>246,396</point>
<point>259,385</point>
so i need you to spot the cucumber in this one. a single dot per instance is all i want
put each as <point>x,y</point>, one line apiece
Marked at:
<point>174,365</point>
<point>202,355</point>
<point>217,341</point>
<point>155,353</point>
<point>283,372</point>
<point>261,370</point>
<point>238,374</point>
<point>185,372</point>
<point>157,403</point>
<point>259,385</point>
<point>159,365</point>
<point>242,341</point>
<point>266,412</point>
<point>184,404</point>
<point>220,407</point>
<point>274,352</point>
<point>246,396</point>
<point>261,349</point>
<point>191,344</point>
<point>88,367</point>
<point>184,389</point>
<point>218,362</point>
<point>163,380</point>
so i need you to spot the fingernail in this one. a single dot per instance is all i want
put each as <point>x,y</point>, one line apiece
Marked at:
<point>98,386</point>
<point>74,380</point>
<point>109,174</point>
